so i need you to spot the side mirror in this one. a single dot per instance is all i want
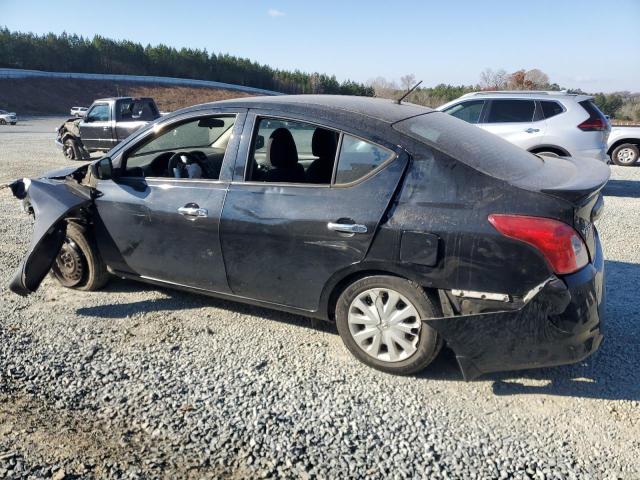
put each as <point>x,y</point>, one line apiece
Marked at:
<point>102,169</point>
<point>259,142</point>
<point>88,119</point>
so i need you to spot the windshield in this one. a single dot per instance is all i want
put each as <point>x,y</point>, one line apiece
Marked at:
<point>471,145</point>
<point>192,134</point>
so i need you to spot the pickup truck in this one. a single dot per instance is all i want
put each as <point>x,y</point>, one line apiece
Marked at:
<point>623,145</point>
<point>107,122</point>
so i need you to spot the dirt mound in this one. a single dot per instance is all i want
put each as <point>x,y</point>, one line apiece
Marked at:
<point>38,96</point>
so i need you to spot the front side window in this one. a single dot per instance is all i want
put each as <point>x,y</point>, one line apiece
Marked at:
<point>358,158</point>
<point>510,111</point>
<point>99,113</point>
<point>193,149</point>
<point>467,111</point>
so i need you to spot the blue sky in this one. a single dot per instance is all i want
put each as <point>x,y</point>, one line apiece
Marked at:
<point>593,45</point>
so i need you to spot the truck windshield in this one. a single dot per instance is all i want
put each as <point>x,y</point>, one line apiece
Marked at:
<point>471,145</point>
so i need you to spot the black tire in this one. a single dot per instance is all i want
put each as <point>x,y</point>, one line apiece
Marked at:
<point>625,155</point>
<point>3,121</point>
<point>71,149</point>
<point>79,265</point>
<point>429,342</point>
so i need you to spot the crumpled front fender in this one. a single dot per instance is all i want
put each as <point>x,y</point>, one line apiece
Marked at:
<point>51,201</point>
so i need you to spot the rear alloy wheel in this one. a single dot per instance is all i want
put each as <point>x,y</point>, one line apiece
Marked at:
<point>625,154</point>
<point>3,121</point>
<point>380,321</point>
<point>78,264</point>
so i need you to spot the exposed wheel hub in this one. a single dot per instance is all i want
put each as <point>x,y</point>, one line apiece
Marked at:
<point>384,324</point>
<point>70,262</point>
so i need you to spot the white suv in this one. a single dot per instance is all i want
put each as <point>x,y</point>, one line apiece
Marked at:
<point>555,122</point>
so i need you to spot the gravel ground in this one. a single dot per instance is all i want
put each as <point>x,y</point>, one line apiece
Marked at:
<point>135,381</point>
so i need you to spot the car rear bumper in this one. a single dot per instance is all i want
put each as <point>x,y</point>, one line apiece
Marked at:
<point>560,325</point>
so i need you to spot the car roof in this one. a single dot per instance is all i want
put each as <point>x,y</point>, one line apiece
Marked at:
<point>382,109</point>
<point>535,94</point>
<point>114,99</point>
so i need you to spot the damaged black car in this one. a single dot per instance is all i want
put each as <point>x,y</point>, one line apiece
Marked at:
<point>407,227</point>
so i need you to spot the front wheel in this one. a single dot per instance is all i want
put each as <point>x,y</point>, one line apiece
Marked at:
<point>79,264</point>
<point>71,149</point>
<point>3,121</point>
<point>625,154</point>
<point>380,321</point>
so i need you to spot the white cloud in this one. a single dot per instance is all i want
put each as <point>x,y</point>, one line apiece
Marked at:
<point>272,12</point>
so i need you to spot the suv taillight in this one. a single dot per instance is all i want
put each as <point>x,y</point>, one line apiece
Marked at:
<point>560,244</point>
<point>596,121</point>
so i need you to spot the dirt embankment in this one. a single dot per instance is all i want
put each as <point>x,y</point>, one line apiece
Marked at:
<point>41,96</point>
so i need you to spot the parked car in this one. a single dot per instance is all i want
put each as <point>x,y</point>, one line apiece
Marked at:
<point>106,123</point>
<point>407,227</point>
<point>559,123</point>
<point>623,145</point>
<point>78,111</point>
<point>8,117</point>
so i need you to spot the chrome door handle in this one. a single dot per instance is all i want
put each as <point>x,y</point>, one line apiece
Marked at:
<point>193,212</point>
<point>532,130</point>
<point>347,227</point>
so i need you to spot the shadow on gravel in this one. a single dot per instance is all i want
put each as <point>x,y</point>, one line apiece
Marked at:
<point>622,188</point>
<point>178,300</point>
<point>612,373</point>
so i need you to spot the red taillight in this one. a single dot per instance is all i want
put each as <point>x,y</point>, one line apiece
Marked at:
<point>559,243</point>
<point>593,124</point>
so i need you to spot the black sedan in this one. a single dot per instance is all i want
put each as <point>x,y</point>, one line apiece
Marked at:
<point>405,226</point>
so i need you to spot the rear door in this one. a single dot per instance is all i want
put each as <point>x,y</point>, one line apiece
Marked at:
<point>282,241</point>
<point>518,121</point>
<point>96,130</point>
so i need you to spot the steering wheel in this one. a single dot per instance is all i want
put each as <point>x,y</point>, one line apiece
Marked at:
<point>179,161</point>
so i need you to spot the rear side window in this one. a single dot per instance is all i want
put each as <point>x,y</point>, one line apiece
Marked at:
<point>358,158</point>
<point>511,111</point>
<point>138,110</point>
<point>551,109</point>
<point>467,111</point>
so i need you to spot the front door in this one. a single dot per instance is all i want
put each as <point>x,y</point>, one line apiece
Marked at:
<point>96,129</point>
<point>163,211</point>
<point>287,228</point>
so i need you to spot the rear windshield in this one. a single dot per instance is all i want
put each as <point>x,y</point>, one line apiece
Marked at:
<point>471,145</point>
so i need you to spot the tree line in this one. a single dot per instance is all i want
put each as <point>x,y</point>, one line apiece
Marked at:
<point>73,53</point>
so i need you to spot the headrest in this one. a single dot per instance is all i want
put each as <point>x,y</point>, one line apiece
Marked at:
<point>324,143</point>
<point>281,149</point>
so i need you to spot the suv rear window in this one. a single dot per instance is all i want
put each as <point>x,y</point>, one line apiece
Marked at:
<point>483,151</point>
<point>509,111</point>
<point>551,109</point>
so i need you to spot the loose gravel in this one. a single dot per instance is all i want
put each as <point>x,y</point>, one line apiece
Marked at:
<point>139,382</point>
